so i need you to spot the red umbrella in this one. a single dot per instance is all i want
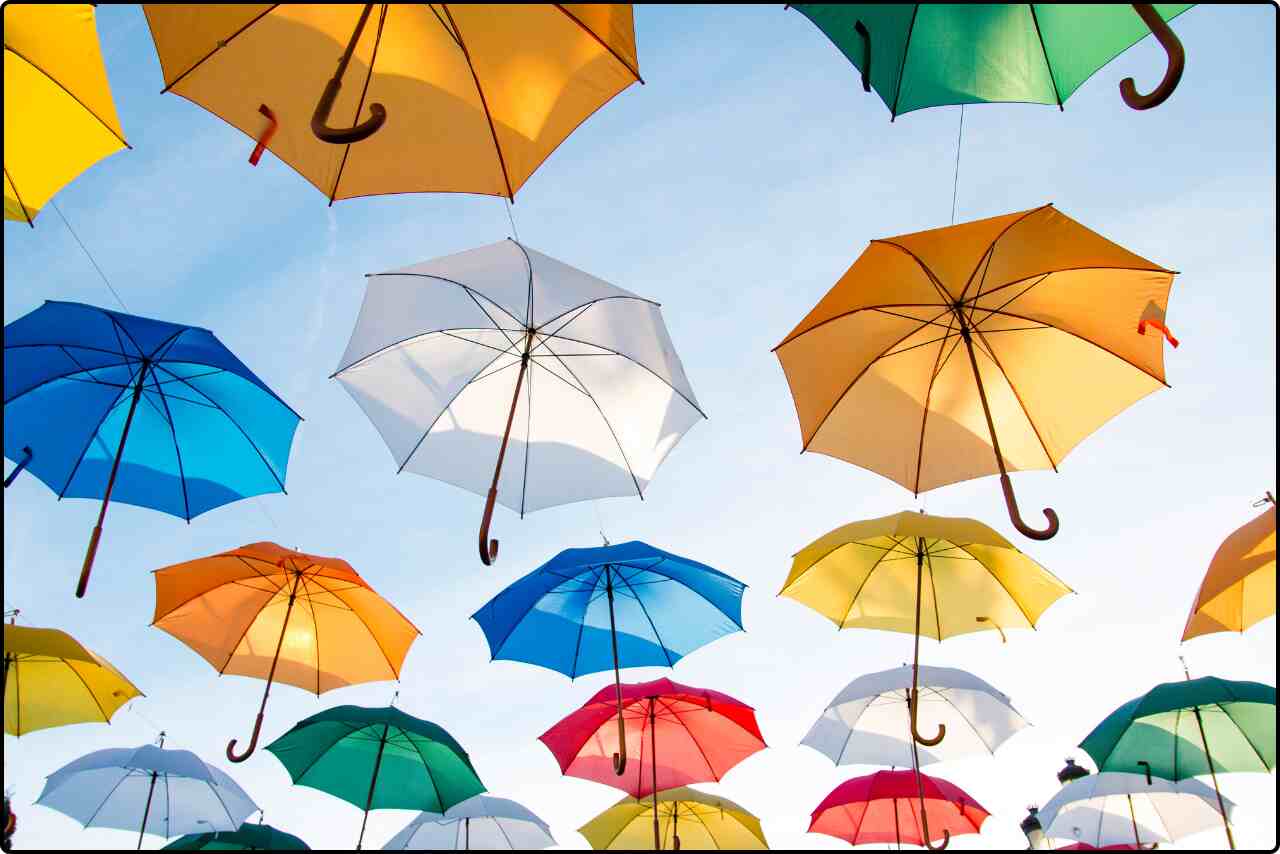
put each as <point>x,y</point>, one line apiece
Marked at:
<point>695,734</point>
<point>885,807</point>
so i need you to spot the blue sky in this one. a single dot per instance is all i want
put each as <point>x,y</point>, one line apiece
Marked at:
<point>735,188</point>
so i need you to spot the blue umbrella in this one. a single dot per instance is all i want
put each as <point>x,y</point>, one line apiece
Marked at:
<point>100,404</point>
<point>625,605</point>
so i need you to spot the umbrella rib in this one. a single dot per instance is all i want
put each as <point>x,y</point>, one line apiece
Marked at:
<point>105,717</point>
<point>219,46</point>
<point>1047,64</point>
<point>818,428</point>
<point>928,395</point>
<point>73,97</point>
<point>1242,732</point>
<point>443,410</point>
<point>1153,269</point>
<point>697,408</point>
<point>173,431</point>
<point>634,71</point>
<point>373,57</point>
<point>991,351</point>
<point>449,333</point>
<point>94,434</point>
<point>992,248</point>
<point>451,33</point>
<point>1030,623</point>
<point>635,480</point>
<point>432,777</point>
<point>902,66</point>
<point>947,298</point>
<point>128,772</point>
<point>586,305</point>
<point>493,132</point>
<point>582,624</point>
<point>933,590</point>
<point>1021,293</point>
<point>71,375</point>
<point>858,592</point>
<point>528,427</point>
<point>306,598</point>
<point>376,642</point>
<point>21,203</point>
<point>645,611</point>
<point>715,775</point>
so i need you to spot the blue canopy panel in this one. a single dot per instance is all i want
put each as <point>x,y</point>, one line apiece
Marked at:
<point>205,432</point>
<point>665,607</point>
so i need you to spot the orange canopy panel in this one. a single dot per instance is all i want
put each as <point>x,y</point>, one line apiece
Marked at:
<point>1045,311</point>
<point>1240,587</point>
<point>231,609</point>
<point>477,96</point>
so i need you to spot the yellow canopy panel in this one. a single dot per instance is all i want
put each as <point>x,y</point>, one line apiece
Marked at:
<point>702,821</point>
<point>1239,589</point>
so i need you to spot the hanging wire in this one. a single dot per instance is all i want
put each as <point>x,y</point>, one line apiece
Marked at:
<point>511,218</point>
<point>87,254</point>
<point>955,183</point>
<point>595,505</point>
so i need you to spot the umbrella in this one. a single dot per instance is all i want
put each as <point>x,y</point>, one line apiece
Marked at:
<point>51,680</point>
<point>1168,733</point>
<point>165,792</point>
<point>152,413</point>
<point>869,722</point>
<point>1239,588</point>
<point>322,625</point>
<point>710,823</point>
<point>918,55</point>
<point>479,823</point>
<point>443,351</point>
<point>410,764</point>
<point>700,735</point>
<point>984,347</point>
<point>59,117</point>
<point>463,98</point>
<point>1115,809</point>
<point>881,807</point>
<point>658,607</point>
<point>250,837</point>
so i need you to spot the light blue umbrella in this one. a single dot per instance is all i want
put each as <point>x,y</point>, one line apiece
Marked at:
<point>165,792</point>
<point>482,823</point>
<point>100,404</point>
<point>625,605</point>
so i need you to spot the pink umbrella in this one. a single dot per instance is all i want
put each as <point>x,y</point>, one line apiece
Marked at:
<point>885,807</point>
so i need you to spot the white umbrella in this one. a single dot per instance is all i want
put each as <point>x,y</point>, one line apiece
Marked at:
<point>869,722</point>
<point>1119,809</point>
<point>481,823</point>
<point>165,792</point>
<point>454,360</point>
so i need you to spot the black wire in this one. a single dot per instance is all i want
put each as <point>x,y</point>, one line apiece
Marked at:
<point>87,255</point>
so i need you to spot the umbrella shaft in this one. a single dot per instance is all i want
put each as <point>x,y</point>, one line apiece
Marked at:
<point>653,761</point>
<point>284,626</point>
<point>1222,809</point>
<point>147,810</point>
<point>373,782</point>
<point>982,391</point>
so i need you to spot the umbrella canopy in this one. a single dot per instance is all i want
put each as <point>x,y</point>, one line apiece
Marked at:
<point>378,758</point>
<point>1240,587</point>
<point>164,792</point>
<point>59,117</point>
<point>869,722</point>
<point>250,837</point>
<point>100,404</point>
<point>882,807</point>
<point>917,55</point>
<point>690,820</point>
<point>1120,809</point>
<point>990,346</point>
<point>281,615</point>
<point>480,823</point>
<point>454,359</point>
<point>462,98</point>
<point>51,680</point>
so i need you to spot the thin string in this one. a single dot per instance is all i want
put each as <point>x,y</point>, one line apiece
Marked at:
<point>511,218</point>
<point>956,181</point>
<point>595,505</point>
<point>85,250</point>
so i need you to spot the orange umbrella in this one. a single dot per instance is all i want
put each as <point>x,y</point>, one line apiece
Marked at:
<point>261,610</point>
<point>1240,587</point>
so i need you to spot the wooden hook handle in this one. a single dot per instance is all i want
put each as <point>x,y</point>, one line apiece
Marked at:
<point>1016,518</point>
<point>488,547</point>
<point>253,743</point>
<point>620,758</point>
<point>83,585</point>
<point>1173,71</point>
<point>915,733</point>
<point>861,29</point>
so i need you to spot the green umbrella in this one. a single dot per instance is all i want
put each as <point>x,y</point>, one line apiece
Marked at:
<point>1185,729</point>
<point>250,837</point>
<point>378,759</point>
<point>918,55</point>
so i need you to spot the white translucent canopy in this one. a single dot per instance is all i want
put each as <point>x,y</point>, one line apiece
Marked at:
<point>868,722</point>
<point>1113,808</point>
<point>109,788</point>
<point>480,823</point>
<point>436,352</point>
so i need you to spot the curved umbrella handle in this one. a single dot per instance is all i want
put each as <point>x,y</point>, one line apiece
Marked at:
<point>924,824</point>
<point>1016,518</point>
<point>620,759</point>
<point>378,113</point>
<point>1172,73</point>
<point>488,547</point>
<point>915,733</point>
<point>272,124</point>
<point>253,743</point>
<point>861,29</point>
<point>17,470</point>
<point>1146,766</point>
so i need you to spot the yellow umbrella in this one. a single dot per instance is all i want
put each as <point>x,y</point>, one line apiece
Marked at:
<point>285,616</point>
<point>1239,588</point>
<point>59,118</point>
<point>989,346</point>
<point>690,820</point>
<point>51,680</point>
<point>462,98</point>
<point>925,575</point>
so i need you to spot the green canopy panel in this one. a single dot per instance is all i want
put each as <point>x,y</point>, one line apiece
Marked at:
<point>926,55</point>
<point>249,837</point>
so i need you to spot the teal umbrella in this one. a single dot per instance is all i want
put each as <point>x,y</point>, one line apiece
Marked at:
<point>250,837</point>
<point>918,55</point>
<point>378,759</point>
<point>1179,730</point>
